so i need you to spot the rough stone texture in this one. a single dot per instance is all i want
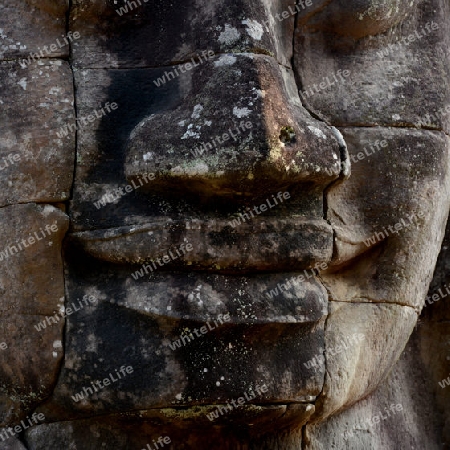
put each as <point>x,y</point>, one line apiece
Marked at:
<point>152,313</point>
<point>134,433</point>
<point>35,164</point>
<point>349,371</point>
<point>289,317</point>
<point>27,25</point>
<point>263,243</point>
<point>12,444</point>
<point>261,166</point>
<point>415,426</point>
<point>392,261</point>
<point>29,292</point>
<point>259,158</point>
<point>434,334</point>
<point>193,26</point>
<point>391,83</point>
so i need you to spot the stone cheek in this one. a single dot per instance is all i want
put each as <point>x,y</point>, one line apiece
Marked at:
<point>388,84</point>
<point>355,18</point>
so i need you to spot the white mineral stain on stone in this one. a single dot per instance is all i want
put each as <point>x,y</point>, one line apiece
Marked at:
<point>148,155</point>
<point>229,35</point>
<point>197,110</point>
<point>190,133</point>
<point>55,355</point>
<point>241,112</point>
<point>317,132</point>
<point>259,93</point>
<point>225,60</point>
<point>23,83</point>
<point>48,209</point>
<point>200,168</point>
<point>57,344</point>
<point>254,29</point>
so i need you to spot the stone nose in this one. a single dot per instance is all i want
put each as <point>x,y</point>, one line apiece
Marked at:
<point>239,129</point>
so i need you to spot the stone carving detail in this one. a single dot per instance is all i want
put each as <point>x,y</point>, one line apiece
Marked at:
<point>220,223</point>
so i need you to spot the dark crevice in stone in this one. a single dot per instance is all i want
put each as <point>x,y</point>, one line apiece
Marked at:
<point>304,438</point>
<point>69,10</point>
<point>376,302</point>
<point>401,127</point>
<point>185,61</point>
<point>22,439</point>
<point>36,202</point>
<point>47,58</point>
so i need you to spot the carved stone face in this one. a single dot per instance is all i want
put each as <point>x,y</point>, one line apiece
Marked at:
<point>201,113</point>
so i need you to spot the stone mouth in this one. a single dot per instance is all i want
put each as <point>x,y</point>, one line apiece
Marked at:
<point>214,301</point>
<point>257,416</point>
<point>241,243</point>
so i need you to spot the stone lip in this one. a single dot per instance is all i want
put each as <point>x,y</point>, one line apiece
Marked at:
<point>202,300</point>
<point>257,244</point>
<point>211,367</point>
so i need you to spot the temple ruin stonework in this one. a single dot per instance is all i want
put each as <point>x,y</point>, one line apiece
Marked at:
<point>224,224</point>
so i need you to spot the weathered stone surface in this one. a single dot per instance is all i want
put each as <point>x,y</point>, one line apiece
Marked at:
<point>11,444</point>
<point>404,405</point>
<point>319,339</point>
<point>142,429</point>
<point>367,243</point>
<point>355,18</point>
<point>36,165</point>
<point>288,147</point>
<point>391,82</point>
<point>263,243</point>
<point>28,25</point>
<point>181,31</point>
<point>354,372</point>
<point>434,337</point>
<point>233,179</point>
<point>201,370</point>
<point>32,287</point>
